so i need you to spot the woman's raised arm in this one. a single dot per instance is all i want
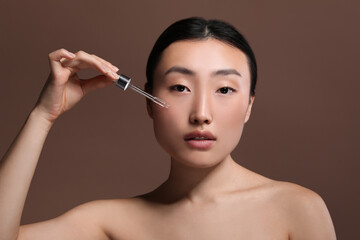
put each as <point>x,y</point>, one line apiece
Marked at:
<point>62,91</point>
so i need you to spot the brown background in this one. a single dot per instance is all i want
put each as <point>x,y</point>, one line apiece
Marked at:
<point>304,127</point>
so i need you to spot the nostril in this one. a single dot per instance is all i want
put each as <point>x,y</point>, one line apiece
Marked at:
<point>200,121</point>
<point>200,118</point>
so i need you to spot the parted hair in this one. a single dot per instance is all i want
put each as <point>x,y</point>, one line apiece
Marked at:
<point>197,28</point>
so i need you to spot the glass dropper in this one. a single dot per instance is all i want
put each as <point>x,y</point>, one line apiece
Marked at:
<point>123,82</point>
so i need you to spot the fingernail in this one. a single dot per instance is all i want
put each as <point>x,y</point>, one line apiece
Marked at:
<point>114,75</point>
<point>114,68</point>
<point>71,54</point>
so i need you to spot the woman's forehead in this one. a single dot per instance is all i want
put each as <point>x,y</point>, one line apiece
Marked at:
<point>207,55</point>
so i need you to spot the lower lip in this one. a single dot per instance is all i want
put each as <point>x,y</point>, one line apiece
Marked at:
<point>200,144</point>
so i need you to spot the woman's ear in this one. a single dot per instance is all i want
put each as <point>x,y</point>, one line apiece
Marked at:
<point>148,102</point>
<point>248,111</point>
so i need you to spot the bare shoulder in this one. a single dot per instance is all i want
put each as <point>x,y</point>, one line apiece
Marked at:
<point>108,206</point>
<point>291,193</point>
<point>296,197</point>
<point>115,212</point>
<point>304,210</point>
<point>120,218</point>
<point>91,220</point>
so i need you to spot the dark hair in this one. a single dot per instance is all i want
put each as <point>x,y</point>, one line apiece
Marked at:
<point>199,28</point>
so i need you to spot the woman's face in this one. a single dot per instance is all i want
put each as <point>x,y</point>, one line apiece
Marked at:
<point>207,85</point>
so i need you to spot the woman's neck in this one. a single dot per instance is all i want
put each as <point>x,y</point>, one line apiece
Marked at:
<point>198,184</point>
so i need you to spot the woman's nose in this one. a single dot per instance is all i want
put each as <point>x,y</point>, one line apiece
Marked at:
<point>201,110</point>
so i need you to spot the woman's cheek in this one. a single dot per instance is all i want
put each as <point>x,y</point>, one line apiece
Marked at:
<point>230,122</point>
<point>168,125</point>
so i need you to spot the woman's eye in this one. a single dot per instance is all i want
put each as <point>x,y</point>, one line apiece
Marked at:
<point>179,88</point>
<point>226,90</point>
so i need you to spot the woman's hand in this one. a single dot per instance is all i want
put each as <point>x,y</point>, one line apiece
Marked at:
<point>64,89</point>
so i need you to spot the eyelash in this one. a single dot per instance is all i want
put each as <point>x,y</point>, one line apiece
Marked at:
<point>183,88</point>
<point>228,89</point>
<point>176,88</point>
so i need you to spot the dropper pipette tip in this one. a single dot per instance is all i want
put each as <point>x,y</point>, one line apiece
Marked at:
<point>123,82</point>
<point>156,100</point>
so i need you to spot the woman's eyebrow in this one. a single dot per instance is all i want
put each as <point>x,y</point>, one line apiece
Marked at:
<point>224,72</point>
<point>186,71</point>
<point>178,69</point>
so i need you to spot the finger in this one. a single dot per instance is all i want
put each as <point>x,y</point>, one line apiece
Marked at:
<point>56,56</point>
<point>84,60</point>
<point>94,83</point>
<point>114,68</point>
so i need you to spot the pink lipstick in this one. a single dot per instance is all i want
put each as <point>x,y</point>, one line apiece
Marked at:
<point>201,140</point>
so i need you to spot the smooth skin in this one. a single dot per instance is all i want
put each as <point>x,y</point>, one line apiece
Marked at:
<point>207,195</point>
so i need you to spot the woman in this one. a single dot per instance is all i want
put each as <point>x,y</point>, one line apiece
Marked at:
<point>206,72</point>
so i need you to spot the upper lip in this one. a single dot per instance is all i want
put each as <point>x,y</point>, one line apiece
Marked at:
<point>200,134</point>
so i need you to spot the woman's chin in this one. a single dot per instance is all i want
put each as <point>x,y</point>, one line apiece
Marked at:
<point>198,160</point>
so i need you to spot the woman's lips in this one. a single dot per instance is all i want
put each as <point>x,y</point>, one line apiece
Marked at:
<point>201,140</point>
<point>200,144</point>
